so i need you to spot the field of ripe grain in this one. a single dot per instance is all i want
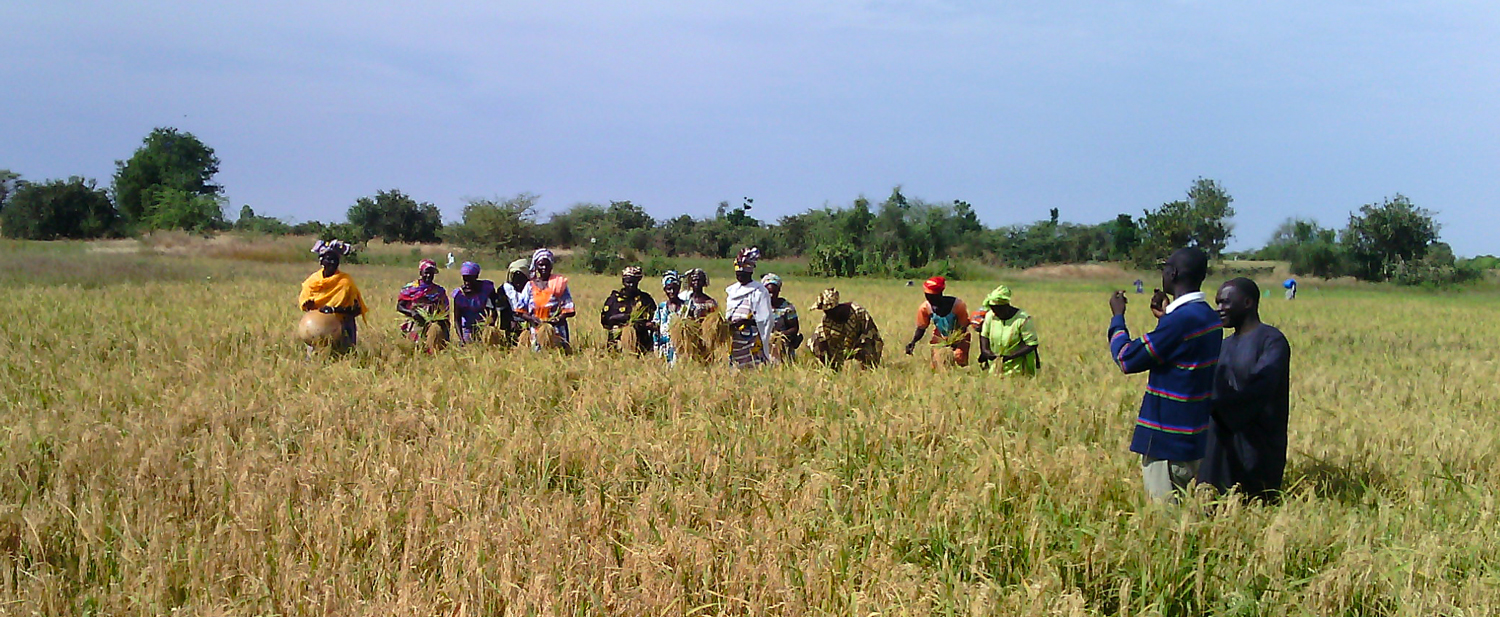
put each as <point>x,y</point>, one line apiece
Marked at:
<point>166,447</point>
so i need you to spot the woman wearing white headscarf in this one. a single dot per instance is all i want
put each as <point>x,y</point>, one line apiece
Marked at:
<point>748,309</point>
<point>546,299</point>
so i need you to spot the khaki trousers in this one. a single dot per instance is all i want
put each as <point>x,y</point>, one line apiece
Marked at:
<point>1164,479</point>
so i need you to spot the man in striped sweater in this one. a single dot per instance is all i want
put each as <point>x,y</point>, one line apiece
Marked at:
<point>1171,431</point>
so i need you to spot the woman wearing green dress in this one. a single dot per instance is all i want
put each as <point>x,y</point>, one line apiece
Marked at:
<point>1007,339</point>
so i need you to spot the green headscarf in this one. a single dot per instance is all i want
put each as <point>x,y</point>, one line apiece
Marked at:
<point>999,297</point>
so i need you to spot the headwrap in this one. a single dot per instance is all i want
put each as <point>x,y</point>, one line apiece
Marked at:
<point>519,265</point>
<point>634,272</point>
<point>688,276</point>
<point>423,265</point>
<point>827,300</point>
<point>999,297</point>
<point>745,261</point>
<point>670,277</point>
<point>336,246</point>
<point>540,254</point>
<point>468,269</point>
<point>770,279</point>
<point>935,285</point>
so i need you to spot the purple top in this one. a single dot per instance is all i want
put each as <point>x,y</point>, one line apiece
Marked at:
<point>470,308</point>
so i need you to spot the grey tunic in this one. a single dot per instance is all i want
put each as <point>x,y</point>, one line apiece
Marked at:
<point>1252,397</point>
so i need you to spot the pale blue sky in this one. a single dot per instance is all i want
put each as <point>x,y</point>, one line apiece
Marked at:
<point>1299,108</point>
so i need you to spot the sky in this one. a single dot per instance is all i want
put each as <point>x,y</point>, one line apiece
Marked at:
<point>1305,109</point>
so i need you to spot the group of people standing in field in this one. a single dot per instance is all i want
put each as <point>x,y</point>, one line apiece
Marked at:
<point>752,325</point>
<point>1215,410</point>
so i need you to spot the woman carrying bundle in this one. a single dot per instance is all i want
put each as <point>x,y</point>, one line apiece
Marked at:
<point>749,314</point>
<point>698,329</point>
<point>666,312</point>
<point>1007,339</point>
<point>425,305</point>
<point>330,292</point>
<point>786,329</point>
<point>949,318</point>
<point>547,304</point>
<point>627,314</point>
<point>480,308</point>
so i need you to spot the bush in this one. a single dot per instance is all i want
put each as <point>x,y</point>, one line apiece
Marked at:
<point>72,208</point>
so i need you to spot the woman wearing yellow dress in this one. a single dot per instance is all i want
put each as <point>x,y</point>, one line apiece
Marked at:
<point>332,292</point>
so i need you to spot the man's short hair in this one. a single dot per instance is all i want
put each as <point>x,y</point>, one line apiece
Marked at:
<point>1191,264</point>
<point>1247,288</point>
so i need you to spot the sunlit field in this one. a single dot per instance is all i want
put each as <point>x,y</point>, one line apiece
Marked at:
<point>167,446</point>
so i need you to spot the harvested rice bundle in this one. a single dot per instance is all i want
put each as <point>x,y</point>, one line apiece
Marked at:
<point>715,332</point>
<point>781,346</point>
<point>544,336</point>
<point>687,336</point>
<point>320,329</point>
<point>630,339</point>
<point>434,337</point>
<point>942,350</point>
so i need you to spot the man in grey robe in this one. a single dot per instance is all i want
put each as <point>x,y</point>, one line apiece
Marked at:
<point>1247,437</point>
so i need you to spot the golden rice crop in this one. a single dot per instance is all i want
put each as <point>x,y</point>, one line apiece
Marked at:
<point>161,456</point>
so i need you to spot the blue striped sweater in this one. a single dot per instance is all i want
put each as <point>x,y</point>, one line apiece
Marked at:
<point>1180,354</point>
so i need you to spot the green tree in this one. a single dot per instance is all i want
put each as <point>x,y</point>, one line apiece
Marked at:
<point>173,208</point>
<point>1381,236</point>
<point>167,159</point>
<point>72,208</point>
<point>394,217</point>
<point>249,221</point>
<point>1201,221</point>
<point>497,226</point>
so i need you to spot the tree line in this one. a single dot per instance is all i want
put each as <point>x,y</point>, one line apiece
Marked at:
<point>167,183</point>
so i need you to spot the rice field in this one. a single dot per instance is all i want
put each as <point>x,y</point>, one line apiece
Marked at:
<point>168,448</point>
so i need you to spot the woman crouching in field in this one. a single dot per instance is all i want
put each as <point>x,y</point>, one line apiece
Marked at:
<point>949,318</point>
<point>547,304</point>
<point>483,312</point>
<point>333,293</point>
<point>425,305</point>
<point>1007,339</point>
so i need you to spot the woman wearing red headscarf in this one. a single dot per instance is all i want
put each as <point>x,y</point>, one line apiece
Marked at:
<point>949,318</point>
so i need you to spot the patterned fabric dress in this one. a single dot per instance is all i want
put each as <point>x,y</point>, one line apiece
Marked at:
<point>856,338</point>
<point>621,302</point>
<point>783,313</point>
<point>547,300</point>
<point>749,343</point>
<point>429,298</point>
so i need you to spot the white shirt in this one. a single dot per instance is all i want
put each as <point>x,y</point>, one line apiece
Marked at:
<point>1196,296</point>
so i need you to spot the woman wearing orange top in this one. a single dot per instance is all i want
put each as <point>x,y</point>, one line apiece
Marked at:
<point>546,298</point>
<point>949,318</point>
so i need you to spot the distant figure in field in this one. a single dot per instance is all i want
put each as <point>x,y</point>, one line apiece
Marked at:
<point>1171,430</point>
<point>747,306</point>
<point>629,308</point>
<point>332,292</point>
<point>666,312</point>
<point>425,305</point>
<point>477,302</point>
<point>949,318</point>
<point>1291,288</point>
<point>1252,397</point>
<point>847,332</point>
<point>1007,337</point>
<point>786,328</point>
<point>547,304</point>
<point>1140,286</point>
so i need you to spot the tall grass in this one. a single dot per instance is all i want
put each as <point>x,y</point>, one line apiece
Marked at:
<point>167,446</point>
